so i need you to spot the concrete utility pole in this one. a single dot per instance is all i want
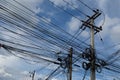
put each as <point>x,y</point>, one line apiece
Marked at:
<point>93,30</point>
<point>92,68</point>
<point>70,64</point>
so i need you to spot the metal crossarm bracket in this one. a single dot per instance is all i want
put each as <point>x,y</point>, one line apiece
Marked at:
<point>88,24</point>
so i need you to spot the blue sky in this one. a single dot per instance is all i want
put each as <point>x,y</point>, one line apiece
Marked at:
<point>14,68</point>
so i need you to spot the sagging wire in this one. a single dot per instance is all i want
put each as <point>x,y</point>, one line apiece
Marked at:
<point>78,32</point>
<point>112,56</point>
<point>111,59</point>
<point>41,16</point>
<point>51,74</point>
<point>76,8</point>
<point>37,46</point>
<point>65,11</point>
<point>84,75</point>
<point>118,71</point>
<point>104,18</point>
<point>36,36</point>
<point>38,70</point>
<point>68,12</point>
<point>110,47</point>
<point>26,46</point>
<point>86,5</point>
<point>25,59</point>
<point>28,53</point>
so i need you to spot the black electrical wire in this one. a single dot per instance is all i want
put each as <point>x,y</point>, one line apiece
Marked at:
<point>78,32</point>
<point>22,36</point>
<point>76,8</point>
<point>22,57</point>
<point>85,5</point>
<point>113,55</point>
<point>89,8</point>
<point>37,46</point>
<point>28,53</point>
<point>42,37</point>
<point>65,11</point>
<point>114,60</point>
<point>42,17</point>
<point>26,46</point>
<point>112,69</point>
<point>110,47</point>
<point>113,66</point>
<point>84,75</point>
<point>103,19</point>
<point>38,70</point>
<point>51,74</point>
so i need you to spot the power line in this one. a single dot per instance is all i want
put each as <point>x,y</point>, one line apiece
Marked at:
<point>52,37</point>
<point>21,57</point>
<point>28,53</point>
<point>86,5</point>
<point>54,24</point>
<point>37,46</point>
<point>76,8</point>
<point>84,75</point>
<point>17,2</point>
<point>64,10</point>
<point>51,74</point>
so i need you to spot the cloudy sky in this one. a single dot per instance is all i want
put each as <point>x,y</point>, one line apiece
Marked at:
<point>14,68</point>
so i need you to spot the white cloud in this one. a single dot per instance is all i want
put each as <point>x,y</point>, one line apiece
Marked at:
<point>14,6</point>
<point>11,66</point>
<point>20,69</point>
<point>73,25</point>
<point>8,60</point>
<point>111,29</point>
<point>32,4</point>
<point>54,79</point>
<point>115,33</point>
<point>110,32</point>
<point>109,23</point>
<point>4,73</point>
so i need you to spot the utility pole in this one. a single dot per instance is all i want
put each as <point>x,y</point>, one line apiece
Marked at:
<point>93,30</point>
<point>32,75</point>
<point>70,64</point>
<point>92,68</point>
